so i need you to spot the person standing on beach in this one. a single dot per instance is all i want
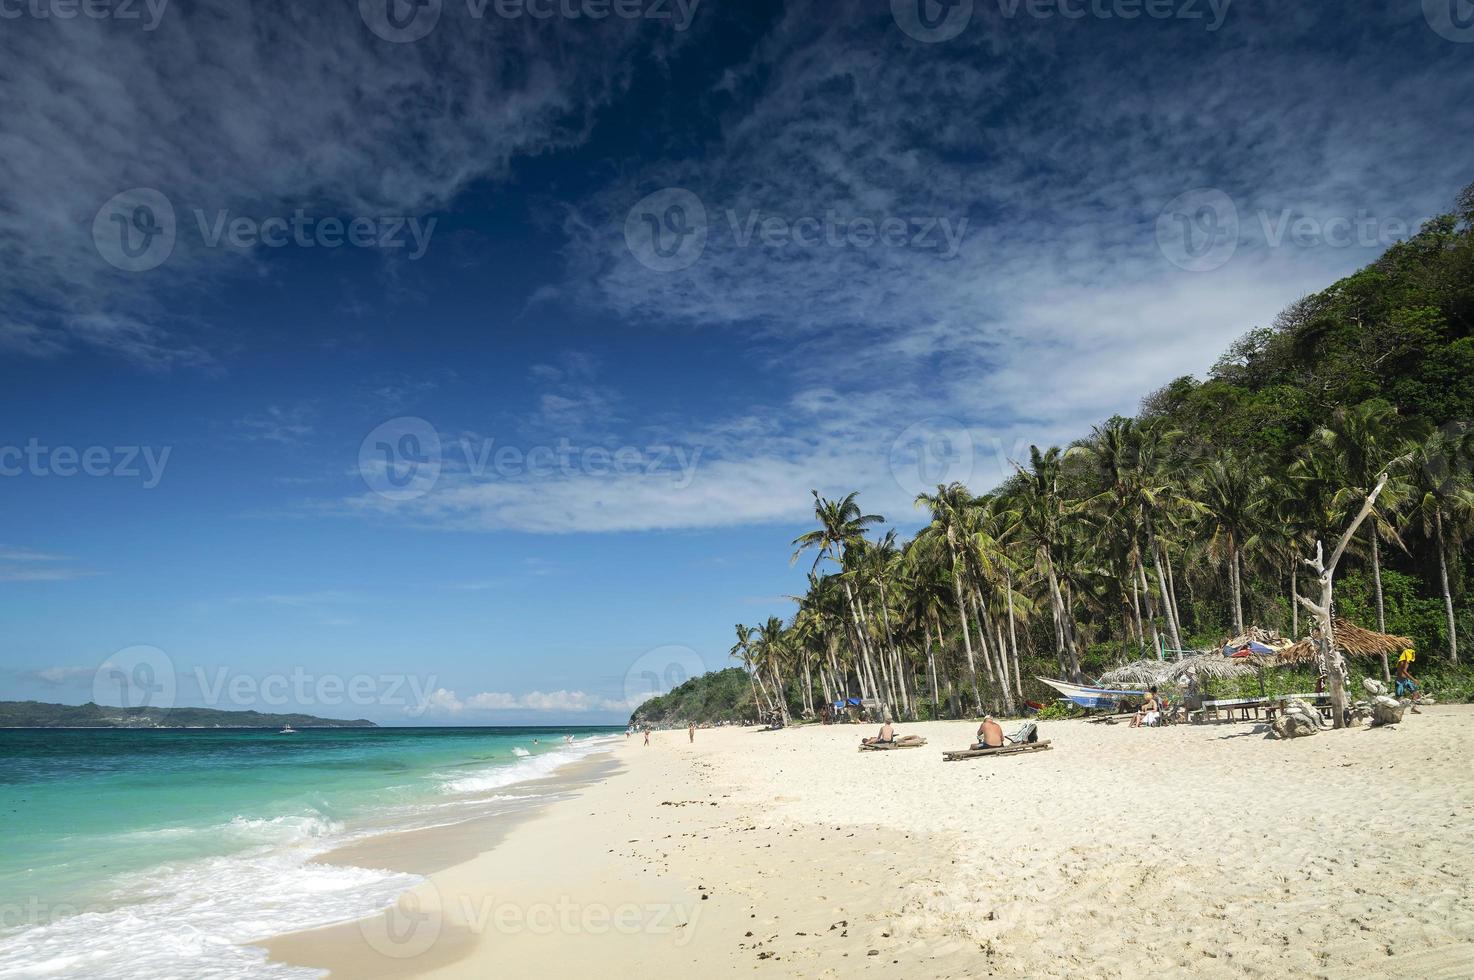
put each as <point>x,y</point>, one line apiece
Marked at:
<point>647,734</point>
<point>691,732</point>
<point>1405,682</point>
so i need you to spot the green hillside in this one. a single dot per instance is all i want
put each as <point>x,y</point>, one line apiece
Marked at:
<point>39,714</point>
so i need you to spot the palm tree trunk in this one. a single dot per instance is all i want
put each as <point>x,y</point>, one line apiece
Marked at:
<point>1172,625</point>
<point>931,671</point>
<point>1235,587</point>
<point>1448,599</point>
<point>1381,611</point>
<point>1151,608</point>
<point>1013,638</point>
<point>1071,666</point>
<point>1294,596</point>
<point>1172,587</point>
<point>972,668</point>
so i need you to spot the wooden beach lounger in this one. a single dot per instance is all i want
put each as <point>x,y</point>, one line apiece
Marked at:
<point>904,742</point>
<point>1003,750</point>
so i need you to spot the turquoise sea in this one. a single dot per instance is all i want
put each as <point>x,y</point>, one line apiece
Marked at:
<point>156,853</point>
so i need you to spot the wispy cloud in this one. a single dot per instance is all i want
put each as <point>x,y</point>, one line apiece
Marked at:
<point>192,110</point>
<point>27,565</point>
<point>445,702</point>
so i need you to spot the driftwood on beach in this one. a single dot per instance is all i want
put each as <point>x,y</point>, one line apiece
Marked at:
<point>1000,750</point>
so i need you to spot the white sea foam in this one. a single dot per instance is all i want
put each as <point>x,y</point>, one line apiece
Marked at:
<point>190,919</point>
<point>518,750</point>
<point>528,767</point>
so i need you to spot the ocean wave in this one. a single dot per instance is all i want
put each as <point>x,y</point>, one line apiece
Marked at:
<point>524,768</point>
<point>519,751</point>
<point>193,918</point>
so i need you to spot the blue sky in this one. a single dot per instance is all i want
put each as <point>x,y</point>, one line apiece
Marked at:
<point>643,280</point>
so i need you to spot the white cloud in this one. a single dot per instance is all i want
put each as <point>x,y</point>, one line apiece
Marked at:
<point>442,701</point>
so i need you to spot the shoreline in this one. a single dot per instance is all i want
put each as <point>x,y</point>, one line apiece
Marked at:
<point>1206,849</point>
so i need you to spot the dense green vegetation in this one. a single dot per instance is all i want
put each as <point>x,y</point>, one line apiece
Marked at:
<point>723,695</point>
<point>39,714</point>
<point>1181,526</point>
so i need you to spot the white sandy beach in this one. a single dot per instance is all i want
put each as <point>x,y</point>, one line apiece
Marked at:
<point>1208,850</point>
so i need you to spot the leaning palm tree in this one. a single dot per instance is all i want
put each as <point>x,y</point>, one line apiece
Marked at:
<point>742,651</point>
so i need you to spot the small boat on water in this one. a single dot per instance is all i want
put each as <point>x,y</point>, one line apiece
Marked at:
<point>1090,697</point>
<point>287,730</point>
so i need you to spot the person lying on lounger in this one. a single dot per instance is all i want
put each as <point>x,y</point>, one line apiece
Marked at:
<point>990,734</point>
<point>887,735</point>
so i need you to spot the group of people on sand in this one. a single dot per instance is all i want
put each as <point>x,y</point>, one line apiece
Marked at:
<point>990,735</point>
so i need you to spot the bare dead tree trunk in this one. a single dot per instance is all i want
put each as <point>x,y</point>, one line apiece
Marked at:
<point>1333,663</point>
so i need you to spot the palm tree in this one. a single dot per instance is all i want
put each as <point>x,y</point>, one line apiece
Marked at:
<point>948,522</point>
<point>841,527</point>
<point>1040,509</point>
<point>742,650</point>
<point>1362,441</point>
<point>1225,492</point>
<point>1442,503</point>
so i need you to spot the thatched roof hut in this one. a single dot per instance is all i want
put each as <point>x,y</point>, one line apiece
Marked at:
<point>1351,639</point>
<point>1203,666</point>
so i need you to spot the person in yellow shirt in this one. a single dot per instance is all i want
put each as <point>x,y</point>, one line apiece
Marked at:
<point>1405,682</point>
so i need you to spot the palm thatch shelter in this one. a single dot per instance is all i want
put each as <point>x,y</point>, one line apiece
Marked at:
<point>1351,640</point>
<point>1202,668</point>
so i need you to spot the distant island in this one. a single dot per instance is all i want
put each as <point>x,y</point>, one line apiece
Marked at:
<point>39,714</point>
